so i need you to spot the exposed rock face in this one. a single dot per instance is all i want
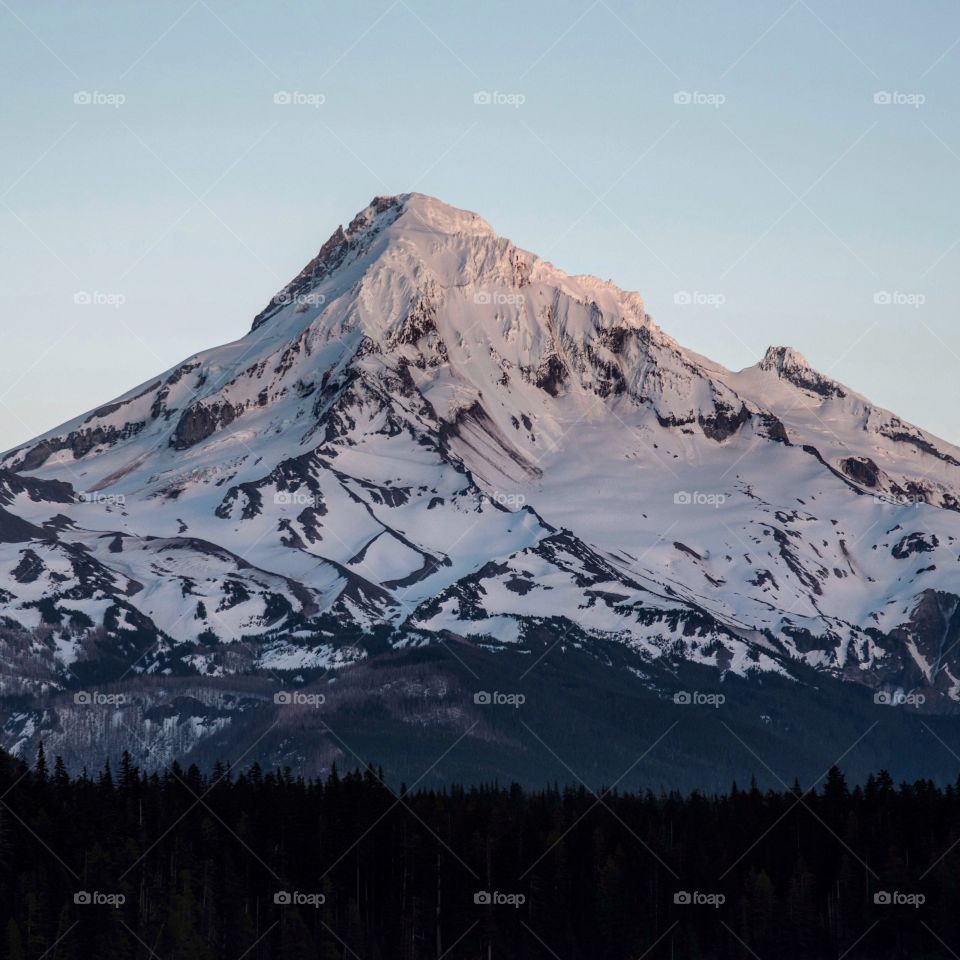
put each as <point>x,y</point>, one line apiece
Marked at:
<point>13,485</point>
<point>725,423</point>
<point>913,543</point>
<point>904,433</point>
<point>775,428</point>
<point>790,365</point>
<point>201,421</point>
<point>922,646</point>
<point>551,375</point>
<point>334,253</point>
<point>862,470</point>
<point>78,442</point>
<point>14,529</point>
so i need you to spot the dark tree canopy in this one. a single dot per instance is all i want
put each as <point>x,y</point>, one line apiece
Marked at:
<point>265,865</point>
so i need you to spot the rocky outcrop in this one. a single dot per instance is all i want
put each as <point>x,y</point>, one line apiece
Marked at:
<point>862,470</point>
<point>201,421</point>
<point>725,423</point>
<point>791,365</point>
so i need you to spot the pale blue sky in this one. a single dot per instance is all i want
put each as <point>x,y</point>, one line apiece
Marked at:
<point>796,201</point>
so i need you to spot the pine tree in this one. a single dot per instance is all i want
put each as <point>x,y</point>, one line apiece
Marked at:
<point>41,766</point>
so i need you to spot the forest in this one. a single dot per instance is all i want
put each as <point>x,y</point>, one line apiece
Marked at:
<point>191,865</point>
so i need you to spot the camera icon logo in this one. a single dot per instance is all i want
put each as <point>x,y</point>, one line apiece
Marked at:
<point>682,97</point>
<point>282,97</point>
<point>82,698</point>
<point>82,97</point>
<point>482,697</point>
<point>482,97</point>
<point>882,97</point>
<point>282,898</point>
<point>882,898</point>
<point>82,898</point>
<point>682,697</point>
<point>283,697</point>
<point>482,898</point>
<point>681,898</point>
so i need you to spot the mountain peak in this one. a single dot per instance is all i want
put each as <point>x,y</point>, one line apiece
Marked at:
<point>783,359</point>
<point>790,365</point>
<point>418,211</point>
<point>402,215</point>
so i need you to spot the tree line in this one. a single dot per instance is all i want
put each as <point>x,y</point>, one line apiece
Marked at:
<point>185,865</point>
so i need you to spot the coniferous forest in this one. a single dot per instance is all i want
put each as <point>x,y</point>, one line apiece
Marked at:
<point>263,865</point>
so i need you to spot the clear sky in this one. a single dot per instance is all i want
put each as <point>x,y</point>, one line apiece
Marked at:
<point>178,195</point>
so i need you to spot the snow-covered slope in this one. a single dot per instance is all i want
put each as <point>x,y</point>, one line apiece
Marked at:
<point>431,432</point>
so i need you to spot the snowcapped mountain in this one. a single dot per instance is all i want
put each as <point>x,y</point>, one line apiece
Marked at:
<point>430,435</point>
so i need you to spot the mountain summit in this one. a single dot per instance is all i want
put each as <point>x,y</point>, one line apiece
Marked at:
<point>430,435</point>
